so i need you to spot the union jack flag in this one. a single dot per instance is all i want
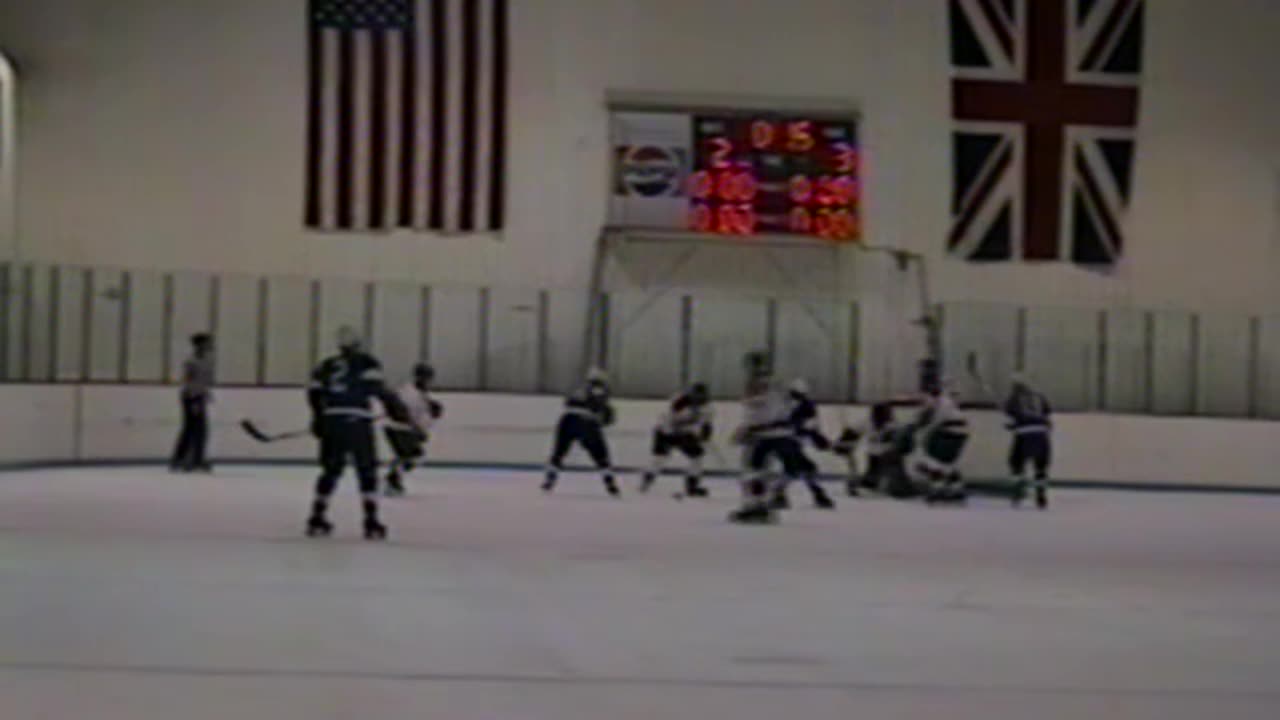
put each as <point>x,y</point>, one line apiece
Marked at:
<point>1045,103</point>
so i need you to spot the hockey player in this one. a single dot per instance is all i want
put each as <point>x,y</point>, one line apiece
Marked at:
<point>587,412</point>
<point>685,426</point>
<point>766,433</point>
<point>409,442</point>
<point>1029,421</point>
<point>887,445</point>
<point>339,394</point>
<point>943,432</point>
<point>805,424</point>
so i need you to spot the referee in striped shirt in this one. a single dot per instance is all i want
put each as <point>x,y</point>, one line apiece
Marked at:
<point>196,396</point>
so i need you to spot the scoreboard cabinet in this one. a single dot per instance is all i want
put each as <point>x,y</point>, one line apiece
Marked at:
<point>737,173</point>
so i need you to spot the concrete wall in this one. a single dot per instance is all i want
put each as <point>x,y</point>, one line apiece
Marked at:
<point>97,423</point>
<point>167,134</point>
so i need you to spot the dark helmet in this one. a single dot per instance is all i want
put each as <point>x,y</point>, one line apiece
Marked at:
<point>758,363</point>
<point>698,392</point>
<point>423,371</point>
<point>881,414</point>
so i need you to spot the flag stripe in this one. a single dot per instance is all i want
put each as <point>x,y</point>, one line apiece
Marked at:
<point>315,118</point>
<point>427,34</point>
<point>361,72</point>
<point>378,130</point>
<point>454,115</point>
<point>439,99</point>
<point>408,126</point>
<point>329,134</point>
<point>346,114</point>
<point>470,96</point>
<point>498,117</point>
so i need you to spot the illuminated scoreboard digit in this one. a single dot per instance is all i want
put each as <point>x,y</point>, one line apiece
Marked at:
<point>774,175</point>
<point>737,173</point>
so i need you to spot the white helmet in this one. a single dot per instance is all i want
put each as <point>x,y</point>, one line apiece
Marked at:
<point>348,338</point>
<point>597,374</point>
<point>800,386</point>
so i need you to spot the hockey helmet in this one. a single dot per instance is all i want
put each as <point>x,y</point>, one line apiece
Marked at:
<point>758,363</point>
<point>699,392</point>
<point>423,371</point>
<point>348,338</point>
<point>800,386</point>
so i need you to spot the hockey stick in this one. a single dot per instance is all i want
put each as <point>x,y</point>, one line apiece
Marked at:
<point>261,436</point>
<point>264,437</point>
<point>975,374</point>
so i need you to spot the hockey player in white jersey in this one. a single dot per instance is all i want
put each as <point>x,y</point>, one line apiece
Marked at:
<point>943,432</point>
<point>409,443</point>
<point>766,433</point>
<point>686,426</point>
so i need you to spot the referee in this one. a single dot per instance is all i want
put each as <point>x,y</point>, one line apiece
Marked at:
<point>196,396</point>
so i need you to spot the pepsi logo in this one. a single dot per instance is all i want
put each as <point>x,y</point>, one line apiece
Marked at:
<point>650,171</point>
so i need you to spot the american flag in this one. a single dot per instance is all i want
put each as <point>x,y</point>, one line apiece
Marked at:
<point>1045,101</point>
<point>407,115</point>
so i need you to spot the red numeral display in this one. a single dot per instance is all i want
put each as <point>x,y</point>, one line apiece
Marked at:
<point>800,189</point>
<point>720,153</point>
<point>800,136</point>
<point>762,134</point>
<point>800,221</point>
<point>846,157</point>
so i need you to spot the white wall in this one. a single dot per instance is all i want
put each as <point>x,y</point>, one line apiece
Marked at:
<point>168,134</point>
<point>137,423</point>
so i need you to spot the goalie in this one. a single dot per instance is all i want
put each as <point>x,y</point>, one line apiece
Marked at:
<point>409,441</point>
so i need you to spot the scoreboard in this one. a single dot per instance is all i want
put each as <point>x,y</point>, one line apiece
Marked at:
<point>737,173</point>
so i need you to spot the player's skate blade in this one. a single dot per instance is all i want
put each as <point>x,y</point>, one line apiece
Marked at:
<point>757,515</point>
<point>319,527</point>
<point>374,530</point>
<point>1042,498</point>
<point>1019,494</point>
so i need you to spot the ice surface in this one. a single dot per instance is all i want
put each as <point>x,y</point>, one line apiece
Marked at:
<point>131,593</point>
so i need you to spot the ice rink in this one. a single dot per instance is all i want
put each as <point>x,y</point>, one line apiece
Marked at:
<point>132,593</point>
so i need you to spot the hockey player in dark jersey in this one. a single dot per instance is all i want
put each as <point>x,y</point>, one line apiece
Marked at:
<point>766,434</point>
<point>342,419</point>
<point>587,411</point>
<point>686,426</point>
<point>807,428</point>
<point>1029,420</point>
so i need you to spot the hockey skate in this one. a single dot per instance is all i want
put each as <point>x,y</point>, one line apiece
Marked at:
<point>395,484</point>
<point>1042,496</point>
<point>318,526</point>
<point>646,482</point>
<point>1019,495</point>
<point>851,489</point>
<point>821,499</point>
<point>694,488</point>
<point>374,530</point>
<point>779,501</point>
<point>549,484</point>
<point>611,487</point>
<point>755,514</point>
